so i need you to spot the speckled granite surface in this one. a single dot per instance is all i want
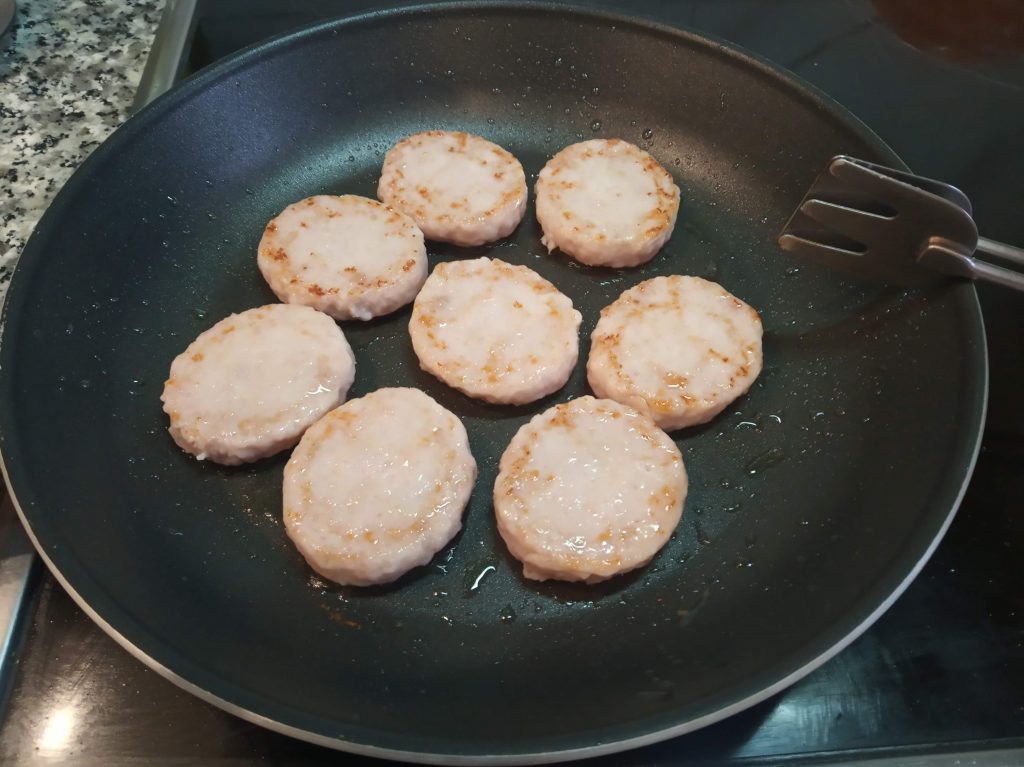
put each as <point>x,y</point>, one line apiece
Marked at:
<point>68,72</point>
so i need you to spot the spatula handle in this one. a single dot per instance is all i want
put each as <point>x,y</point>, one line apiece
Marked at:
<point>949,258</point>
<point>997,274</point>
<point>1001,250</point>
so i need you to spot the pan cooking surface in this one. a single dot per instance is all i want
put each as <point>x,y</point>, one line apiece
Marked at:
<point>812,500</point>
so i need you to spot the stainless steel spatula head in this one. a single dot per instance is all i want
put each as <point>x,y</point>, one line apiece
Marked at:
<point>890,225</point>
<point>866,220</point>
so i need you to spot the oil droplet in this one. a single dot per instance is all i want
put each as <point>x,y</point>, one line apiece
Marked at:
<point>507,614</point>
<point>85,383</point>
<point>647,133</point>
<point>595,126</point>
<point>199,314</point>
<point>473,582</point>
<point>172,201</point>
<point>447,558</point>
<point>765,461</point>
<point>447,620</point>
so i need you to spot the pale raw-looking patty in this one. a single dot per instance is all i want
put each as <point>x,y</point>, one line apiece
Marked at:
<point>378,486</point>
<point>457,187</point>
<point>679,349</point>
<point>587,490</point>
<point>349,257</point>
<point>250,386</point>
<point>606,202</point>
<point>494,331</point>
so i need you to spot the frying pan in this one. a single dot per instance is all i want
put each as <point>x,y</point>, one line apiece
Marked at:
<point>814,500</point>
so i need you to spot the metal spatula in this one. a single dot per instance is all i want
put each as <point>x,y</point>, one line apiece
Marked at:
<point>894,226</point>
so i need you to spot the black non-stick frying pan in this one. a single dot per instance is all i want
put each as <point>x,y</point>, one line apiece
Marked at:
<point>813,501</point>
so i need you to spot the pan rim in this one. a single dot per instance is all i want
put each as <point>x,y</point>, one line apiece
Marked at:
<point>795,86</point>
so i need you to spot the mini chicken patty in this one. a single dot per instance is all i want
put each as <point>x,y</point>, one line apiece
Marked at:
<point>349,257</point>
<point>587,490</point>
<point>250,386</point>
<point>606,202</point>
<point>457,187</point>
<point>494,331</point>
<point>378,486</point>
<point>678,349</point>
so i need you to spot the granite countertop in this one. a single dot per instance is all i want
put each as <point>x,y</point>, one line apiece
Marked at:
<point>68,72</point>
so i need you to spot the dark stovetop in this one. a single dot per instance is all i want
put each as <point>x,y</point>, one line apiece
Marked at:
<point>939,679</point>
